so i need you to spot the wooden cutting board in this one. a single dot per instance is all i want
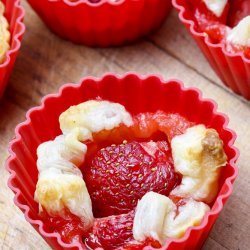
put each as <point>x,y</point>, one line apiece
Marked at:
<point>46,62</point>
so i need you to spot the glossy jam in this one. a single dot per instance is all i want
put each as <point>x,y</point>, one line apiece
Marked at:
<point>70,227</point>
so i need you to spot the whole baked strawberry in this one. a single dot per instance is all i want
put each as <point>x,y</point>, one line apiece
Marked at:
<point>119,175</point>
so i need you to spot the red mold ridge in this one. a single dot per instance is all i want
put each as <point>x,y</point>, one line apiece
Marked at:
<point>149,94</point>
<point>14,14</point>
<point>233,69</point>
<point>104,23</point>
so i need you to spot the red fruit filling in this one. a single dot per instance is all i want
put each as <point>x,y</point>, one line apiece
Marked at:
<point>70,227</point>
<point>216,27</point>
<point>111,232</point>
<point>238,10</point>
<point>115,232</point>
<point>119,175</point>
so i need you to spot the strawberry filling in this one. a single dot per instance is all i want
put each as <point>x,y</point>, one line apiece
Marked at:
<point>70,227</point>
<point>115,232</point>
<point>118,175</point>
<point>238,10</point>
<point>111,232</point>
<point>217,27</point>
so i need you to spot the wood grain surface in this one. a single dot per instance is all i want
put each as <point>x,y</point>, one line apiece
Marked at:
<point>46,62</point>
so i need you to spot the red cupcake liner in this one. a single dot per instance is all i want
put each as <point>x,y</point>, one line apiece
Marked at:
<point>14,13</point>
<point>149,94</point>
<point>233,69</point>
<point>102,24</point>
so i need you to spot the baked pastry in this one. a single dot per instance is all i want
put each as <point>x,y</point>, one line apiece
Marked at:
<point>4,34</point>
<point>226,22</point>
<point>116,180</point>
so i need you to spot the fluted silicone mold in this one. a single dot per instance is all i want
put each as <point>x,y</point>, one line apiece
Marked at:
<point>14,13</point>
<point>233,69</point>
<point>137,94</point>
<point>102,24</point>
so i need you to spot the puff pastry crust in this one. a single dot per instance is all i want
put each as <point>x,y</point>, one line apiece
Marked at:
<point>4,34</point>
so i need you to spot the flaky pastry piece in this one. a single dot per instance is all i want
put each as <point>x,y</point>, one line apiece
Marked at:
<point>240,34</point>
<point>60,184</point>
<point>198,155</point>
<point>4,34</point>
<point>94,116</point>
<point>159,218</point>
<point>216,6</point>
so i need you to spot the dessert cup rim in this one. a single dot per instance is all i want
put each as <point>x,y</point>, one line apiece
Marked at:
<point>15,36</point>
<point>18,138</point>
<point>181,9</point>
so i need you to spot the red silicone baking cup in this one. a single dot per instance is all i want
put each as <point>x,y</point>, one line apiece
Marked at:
<point>233,69</point>
<point>138,94</point>
<point>14,14</point>
<point>102,24</point>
